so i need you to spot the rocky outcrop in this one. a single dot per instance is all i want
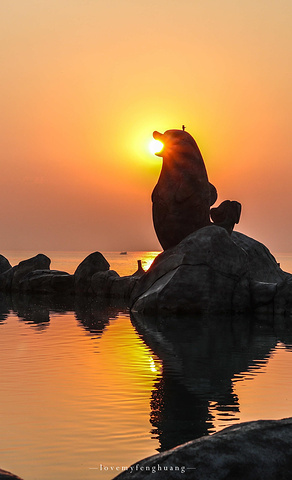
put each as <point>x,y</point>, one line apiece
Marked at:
<point>8,476</point>
<point>248,451</point>
<point>212,272</point>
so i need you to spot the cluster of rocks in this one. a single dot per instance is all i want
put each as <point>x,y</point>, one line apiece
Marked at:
<point>92,277</point>
<point>209,271</point>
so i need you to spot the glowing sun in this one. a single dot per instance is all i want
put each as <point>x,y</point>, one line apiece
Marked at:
<point>155,146</point>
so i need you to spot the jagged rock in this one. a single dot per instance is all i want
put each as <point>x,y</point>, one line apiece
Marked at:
<point>209,271</point>
<point>8,476</point>
<point>4,264</point>
<point>93,263</point>
<point>247,451</point>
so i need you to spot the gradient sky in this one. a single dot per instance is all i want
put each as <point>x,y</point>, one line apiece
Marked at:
<point>84,83</point>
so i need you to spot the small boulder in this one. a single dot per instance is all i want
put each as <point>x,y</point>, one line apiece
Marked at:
<point>93,263</point>
<point>101,283</point>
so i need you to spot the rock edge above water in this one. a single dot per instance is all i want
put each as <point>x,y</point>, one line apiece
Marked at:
<point>211,271</point>
<point>92,277</point>
<point>246,451</point>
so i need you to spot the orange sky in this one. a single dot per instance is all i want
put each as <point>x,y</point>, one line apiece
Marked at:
<point>85,83</point>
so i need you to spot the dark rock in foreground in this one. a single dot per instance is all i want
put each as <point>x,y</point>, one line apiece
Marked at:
<point>8,476</point>
<point>212,272</point>
<point>247,451</point>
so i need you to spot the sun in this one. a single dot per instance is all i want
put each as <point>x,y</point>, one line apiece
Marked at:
<point>155,146</point>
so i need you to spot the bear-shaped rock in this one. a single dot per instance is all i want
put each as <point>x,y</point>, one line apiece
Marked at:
<point>183,195</point>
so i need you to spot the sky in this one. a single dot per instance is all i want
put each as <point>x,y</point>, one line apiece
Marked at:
<point>84,83</point>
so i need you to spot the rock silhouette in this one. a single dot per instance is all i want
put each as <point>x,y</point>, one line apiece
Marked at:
<point>183,195</point>
<point>212,272</point>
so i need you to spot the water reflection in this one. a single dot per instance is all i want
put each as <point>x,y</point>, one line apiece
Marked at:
<point>36,310</point>
<point>93,315</point>
<point>201,357</point>
<point>4,308</point>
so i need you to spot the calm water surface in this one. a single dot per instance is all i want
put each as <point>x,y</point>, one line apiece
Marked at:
<point>83,385</point>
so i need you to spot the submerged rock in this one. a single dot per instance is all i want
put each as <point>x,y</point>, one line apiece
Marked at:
<point>210,272</point>
<point>247,451</point>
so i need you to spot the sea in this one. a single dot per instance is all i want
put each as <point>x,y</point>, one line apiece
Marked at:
<point>85,392</point>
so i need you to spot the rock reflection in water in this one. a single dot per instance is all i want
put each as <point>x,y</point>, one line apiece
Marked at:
<point>93,315</point>
<point>200,358</point>
<point>4,308</point>
<point>36,310</point>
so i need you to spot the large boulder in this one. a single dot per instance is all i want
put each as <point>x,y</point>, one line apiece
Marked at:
<point>210,272</point>
<point>93,263</point>
<point>248,451</point>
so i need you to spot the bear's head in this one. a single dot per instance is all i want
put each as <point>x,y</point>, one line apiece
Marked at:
<point>177,144</point>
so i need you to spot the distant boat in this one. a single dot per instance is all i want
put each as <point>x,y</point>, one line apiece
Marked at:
<point>124,253</point>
